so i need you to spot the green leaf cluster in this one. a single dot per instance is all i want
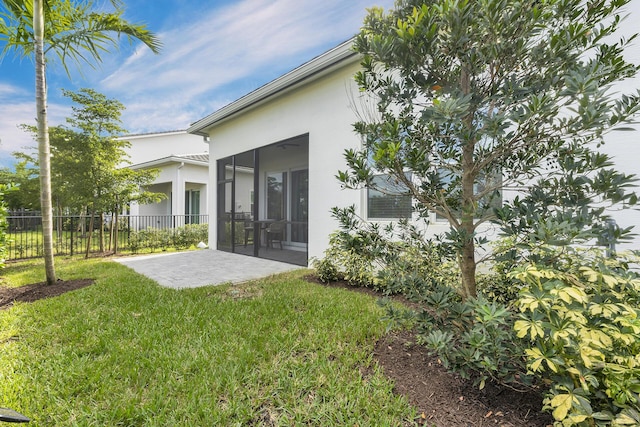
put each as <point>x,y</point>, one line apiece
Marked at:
<point>581,317</point>
<point>473,338</point>
<point>74,30</point>
<point>87,156</point>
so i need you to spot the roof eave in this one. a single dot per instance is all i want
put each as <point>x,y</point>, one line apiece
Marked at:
<point>166,161</point>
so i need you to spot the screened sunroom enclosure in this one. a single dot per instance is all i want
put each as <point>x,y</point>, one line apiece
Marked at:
<point>263,200</point>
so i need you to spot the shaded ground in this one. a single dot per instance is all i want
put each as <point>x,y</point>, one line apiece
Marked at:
<point>37,291</point>
<point>442,399</point>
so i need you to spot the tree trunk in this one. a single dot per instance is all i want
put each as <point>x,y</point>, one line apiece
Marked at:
<point>467,256</point>
<point>86,254</point>
<point>101,233</point>
<point>44,152</point>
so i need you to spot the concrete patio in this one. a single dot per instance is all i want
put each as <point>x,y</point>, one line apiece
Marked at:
<point>204,267</point>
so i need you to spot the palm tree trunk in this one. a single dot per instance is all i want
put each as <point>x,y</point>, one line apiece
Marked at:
<point>44,158</point>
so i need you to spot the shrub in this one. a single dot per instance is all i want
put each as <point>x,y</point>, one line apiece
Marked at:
<point>581,316</point>
<point>180,238</point>
<point>326,269</point>
<point>390,258</point>
<point>473,338</point>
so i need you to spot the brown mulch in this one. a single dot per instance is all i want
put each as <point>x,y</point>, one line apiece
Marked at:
<point>37,291</point>
<point>442,399</point>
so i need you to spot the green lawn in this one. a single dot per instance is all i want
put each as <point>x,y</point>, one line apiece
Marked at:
<point>126,352</point>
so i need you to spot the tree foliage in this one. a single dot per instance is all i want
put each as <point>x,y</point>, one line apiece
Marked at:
<point>88,155</point>
<point>580,316</point>
<point>23,180</point>
<point>464,98</point>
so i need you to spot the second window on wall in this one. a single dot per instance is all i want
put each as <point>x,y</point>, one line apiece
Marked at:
<point>388,199</point>
<point>276,195</point>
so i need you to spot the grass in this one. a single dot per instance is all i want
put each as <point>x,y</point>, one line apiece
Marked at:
<point>126,352</point>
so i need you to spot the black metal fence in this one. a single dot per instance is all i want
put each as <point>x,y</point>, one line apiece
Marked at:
<point>132,233</point>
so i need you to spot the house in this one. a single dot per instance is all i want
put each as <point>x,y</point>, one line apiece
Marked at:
<point>183,177</point>
<point>274,155</point>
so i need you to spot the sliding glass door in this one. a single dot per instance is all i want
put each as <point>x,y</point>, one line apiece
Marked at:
<point>258,188</point>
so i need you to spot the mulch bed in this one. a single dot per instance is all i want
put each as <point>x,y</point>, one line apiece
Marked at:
<point>37,291</point>
<point>442,399</point>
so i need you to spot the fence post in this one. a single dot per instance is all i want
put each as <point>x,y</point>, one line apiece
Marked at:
<point>71,230</point>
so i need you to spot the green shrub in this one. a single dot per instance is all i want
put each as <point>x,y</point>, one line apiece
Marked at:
<point>153,239</point>
<point>326,270</point>
<point>581,317</point>
<point>390,258</point>
<point>473,338</point>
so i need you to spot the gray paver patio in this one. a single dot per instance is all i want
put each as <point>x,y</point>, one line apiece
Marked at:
<point>203,267</point>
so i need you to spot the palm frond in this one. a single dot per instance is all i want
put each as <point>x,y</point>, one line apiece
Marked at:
<point>72,30</point>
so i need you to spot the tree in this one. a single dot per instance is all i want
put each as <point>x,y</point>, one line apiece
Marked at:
<point>92,150</point>
<point>24,183</point>
<point>72,30</point>
<point>86,156</point>
<point>474,96</point>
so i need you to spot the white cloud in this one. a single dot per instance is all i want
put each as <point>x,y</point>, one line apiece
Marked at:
<point>17,107</point>
<point>204,57</point>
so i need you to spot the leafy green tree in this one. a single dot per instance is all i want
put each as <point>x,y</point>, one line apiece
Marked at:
<point>23,180</point>
<point>70,30</point>
<point>86,156</point>
<point>462,98</point>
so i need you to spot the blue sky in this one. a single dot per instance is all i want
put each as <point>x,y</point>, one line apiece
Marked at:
<point>213,53</point>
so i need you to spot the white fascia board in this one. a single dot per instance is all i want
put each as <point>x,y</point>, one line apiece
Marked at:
<point>151,134</point>
<point>310,70</point>
<point>166,161</point>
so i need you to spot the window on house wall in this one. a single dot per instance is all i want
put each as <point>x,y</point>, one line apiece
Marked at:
<point>388,199</point>
<point>192,206</point>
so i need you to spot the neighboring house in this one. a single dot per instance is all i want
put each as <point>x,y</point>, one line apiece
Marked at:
<point>278,150</point>
<point>183,178</point>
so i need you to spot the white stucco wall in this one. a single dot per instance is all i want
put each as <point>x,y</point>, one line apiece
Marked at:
<point>173,180</point>
<point>323,109</point>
